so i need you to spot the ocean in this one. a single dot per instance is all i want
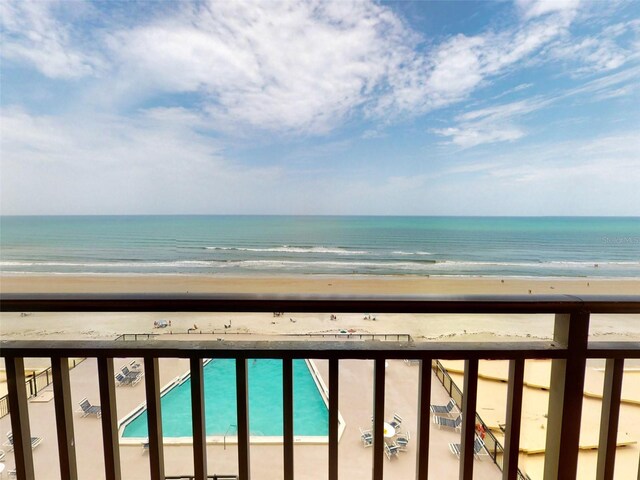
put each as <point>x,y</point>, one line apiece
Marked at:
<point>308,245</point>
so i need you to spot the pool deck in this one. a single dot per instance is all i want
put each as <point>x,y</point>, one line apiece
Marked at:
<point>355,461</point>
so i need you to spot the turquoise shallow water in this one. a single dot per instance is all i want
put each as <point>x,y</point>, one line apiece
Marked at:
<point>291,245</point>
<point>265,402</point>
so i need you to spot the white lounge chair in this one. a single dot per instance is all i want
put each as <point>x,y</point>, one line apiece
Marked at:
<point>453,423</point>
<point>87,409</point>
<point>450,409</point>
<point>129,373</point>
<point>478,448</point>
<point>35,441</point>
<point>124,380</point>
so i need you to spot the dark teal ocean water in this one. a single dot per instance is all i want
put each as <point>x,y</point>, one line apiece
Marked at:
<point>292,245</point>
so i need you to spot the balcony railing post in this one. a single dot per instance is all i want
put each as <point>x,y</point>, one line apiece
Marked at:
<point>334,383</point>
<point>64,418</point>
<point>565,397</point>
<point>424,402</point>
<point>467,436</point>
<point>287,416</point>
<point>242,395</point>
<point>109,418</point>
<point>19,409</point>
<point>198,419</point>
<point>513,419</point>
<point>614,370</point>
<point>154,417</point>
<point>378,418</point>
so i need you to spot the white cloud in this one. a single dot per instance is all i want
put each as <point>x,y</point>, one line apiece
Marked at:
<point>473,134</point>
<point>308,66</point>
<point>462,64</point>
<point>500,123</point>
<point>458,68</point>
<point>150,162</point>
<point>592,176</point>
<point>535,8</point>
<point>624,81</point>
<point>32,34</point>
<point>301,66</point>
<point>612,158</point>
<point>492,124</point>
<point>604,51</point>
<point>504,111</point>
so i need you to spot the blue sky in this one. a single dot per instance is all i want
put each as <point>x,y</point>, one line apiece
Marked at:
<point>393,108</point>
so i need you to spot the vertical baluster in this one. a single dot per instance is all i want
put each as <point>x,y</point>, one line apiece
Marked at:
<point>19,409</point>
<point>244,470</point>
<point>614,371</point>
<point>287,416</point>
<point>154,417</point>
<point>109,419</point>
<point>378,418</point>
<point>198,420</point>
<point>565,397</point>
<point>514,414</point>
<point>424,402</point>
<point>469,398</point>
<point>64,417</point>
<point>334,389</point>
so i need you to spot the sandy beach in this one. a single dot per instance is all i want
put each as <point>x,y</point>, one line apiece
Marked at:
<point>421,327</point>
<point>320,284</point>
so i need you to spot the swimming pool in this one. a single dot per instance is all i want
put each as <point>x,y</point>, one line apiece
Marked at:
<point>265,402</point>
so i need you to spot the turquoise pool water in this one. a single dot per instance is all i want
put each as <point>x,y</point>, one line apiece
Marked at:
<point>310,415</point>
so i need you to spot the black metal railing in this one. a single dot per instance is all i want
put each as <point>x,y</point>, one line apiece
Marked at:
<point>35,383</point>
<point>569,351</point>
<point>128,337</point>
<point>492,444</point>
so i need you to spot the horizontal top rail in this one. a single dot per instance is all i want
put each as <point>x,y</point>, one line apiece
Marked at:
<point>308,349</point>
<point>533,304</point>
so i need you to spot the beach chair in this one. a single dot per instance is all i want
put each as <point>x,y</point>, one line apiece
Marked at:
<point>135,365</point>
<point>402,441</point>
<point>396,422</point>
<point>123,380</point>
<point>478,448</point>
<point>2,455</point>
<point>391,450</point>
<point>450,408</point>
<point>128,373</point>
<point>367,437</point>
<point>453,423</point>
<point>87,409</point>
<point>35,441</point>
